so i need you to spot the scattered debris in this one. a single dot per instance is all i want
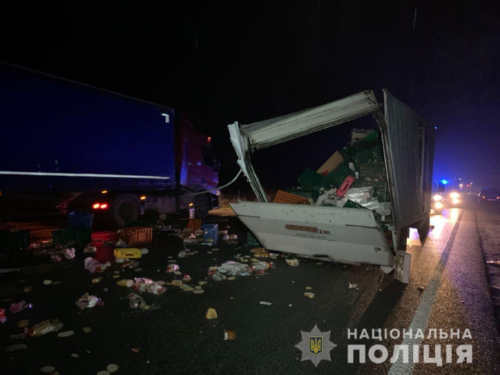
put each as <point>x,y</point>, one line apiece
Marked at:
<point>290,305</point>
<point>45,327</point>
<point>87,329</point>
<point>186,288</point>
<point>309,295</point>
<point>259,266</point>
<point>137,302</point>
<point>143,284</point>
<point>47,369</point>
<point>211,314</point>
<point>259,252</point>
<point>47,282</point>
<point>15,347</point>
<point>66,334</point>
<point>88,301</point>
<point>265,303</point>
<point>19,306</point>
<point>90,249</point>
<point>353,286</point>
<point>127,253</point>
<point>112,368</point>
<point>293,262</point>
<point>125,282</point>
<point>96,280</point>
<point>69,253</point>
<point>75,355</point>
<point>229,335</point>
<point>198,290</point>
<point>308,287</point>
<point>93,265</point>
<point>229,268</point>
<point>186,278</point>
<point>56,258</point>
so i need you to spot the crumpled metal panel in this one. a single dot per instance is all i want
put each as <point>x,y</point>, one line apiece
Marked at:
<point>346,235</point>
<point>281,129</point>
<point>410,150</point>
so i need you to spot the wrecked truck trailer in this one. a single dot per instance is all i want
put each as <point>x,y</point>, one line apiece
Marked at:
<point>346,233</point>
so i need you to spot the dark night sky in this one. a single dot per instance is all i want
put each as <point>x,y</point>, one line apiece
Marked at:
<point>221,63</point>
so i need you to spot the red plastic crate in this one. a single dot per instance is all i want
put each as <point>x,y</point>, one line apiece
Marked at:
<point>104,242</point>
<point>104,237</point>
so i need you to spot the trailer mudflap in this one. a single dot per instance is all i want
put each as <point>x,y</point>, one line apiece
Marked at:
<point>345,235</point>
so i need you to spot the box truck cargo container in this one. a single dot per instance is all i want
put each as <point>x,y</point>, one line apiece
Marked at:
<point>90,149</point>
<point>372,231</point>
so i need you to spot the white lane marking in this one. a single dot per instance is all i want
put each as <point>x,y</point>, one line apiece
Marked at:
<point>57,174</point>
<point>421,317</point>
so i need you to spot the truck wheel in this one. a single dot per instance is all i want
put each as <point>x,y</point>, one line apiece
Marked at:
<point>423,229</point>
<point>125,209</point>
<point>202,204</point>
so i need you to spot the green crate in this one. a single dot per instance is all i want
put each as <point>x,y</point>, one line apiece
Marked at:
<point>310,180</point>
<point>336,177</point>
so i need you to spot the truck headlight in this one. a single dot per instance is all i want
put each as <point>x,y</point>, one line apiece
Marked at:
<point>437,197</point>
<point>438,205</point>
<point>454,195</point>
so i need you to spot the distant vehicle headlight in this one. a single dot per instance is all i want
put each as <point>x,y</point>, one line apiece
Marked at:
<point>437,197</point>
<point>454,195</point>
<point>438,205</point>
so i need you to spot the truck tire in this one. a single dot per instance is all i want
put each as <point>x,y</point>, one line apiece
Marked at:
<point>125,209</point>
<point>202,204</point>
<point>423,229</point>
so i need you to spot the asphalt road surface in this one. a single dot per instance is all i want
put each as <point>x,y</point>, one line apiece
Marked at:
<point>448,290</point>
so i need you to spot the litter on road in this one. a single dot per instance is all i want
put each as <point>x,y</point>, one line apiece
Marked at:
<point>45,327</point>
<point>293,262</point>
<point>309,295</point>
<point>65,334</point>
<point>47,369</point>
<point>211,314</point>
<point>265,303</point>
<point>137,302</point>
<point>88,301</point>
<point>19,306</point>
<point>229,335</point>
<point>93,265</point>
<point>111,368</point>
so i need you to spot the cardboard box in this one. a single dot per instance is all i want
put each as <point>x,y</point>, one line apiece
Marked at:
<point>331,164</point>
<point>284,197</point>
